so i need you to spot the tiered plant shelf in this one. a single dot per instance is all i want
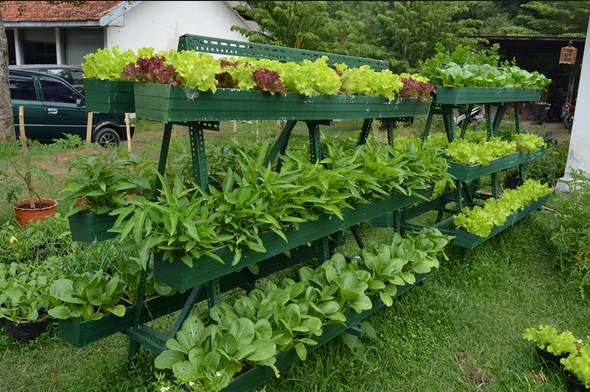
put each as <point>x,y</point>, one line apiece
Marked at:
<point>445,101</point>
<point>209,278</point>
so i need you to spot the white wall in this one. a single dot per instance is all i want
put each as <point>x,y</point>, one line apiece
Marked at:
<point>579,150</point>
<point>158,24</point>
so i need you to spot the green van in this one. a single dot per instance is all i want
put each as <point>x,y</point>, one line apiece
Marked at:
<point>53,108</point>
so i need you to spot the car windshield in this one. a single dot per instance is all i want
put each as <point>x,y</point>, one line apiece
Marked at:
<point>77,76</point>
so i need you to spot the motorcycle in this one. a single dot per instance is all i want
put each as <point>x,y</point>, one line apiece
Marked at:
<point>568,115</point>
<point>474,116</point>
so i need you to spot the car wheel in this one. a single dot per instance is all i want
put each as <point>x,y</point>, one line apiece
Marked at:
<point>107,137</point>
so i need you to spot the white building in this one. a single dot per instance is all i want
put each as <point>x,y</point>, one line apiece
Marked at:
<point>63,33</point>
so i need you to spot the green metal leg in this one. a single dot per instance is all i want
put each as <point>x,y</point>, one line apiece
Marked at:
<point>281,143</point>
<point>357,236</point>
<point>197,141</point>
<point>428,122</point>
<point>213,292</point>
<point>390,129</point>
<point>500,112</point>
<point>163,155</point>
<point>465,122</point>
<point>315,146</point>
<point>365,129</point>
<point>449,121</point>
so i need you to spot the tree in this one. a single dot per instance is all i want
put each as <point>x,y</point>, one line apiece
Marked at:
<point>287,23</point>
<point>6,122</point>
<point>559,18</point>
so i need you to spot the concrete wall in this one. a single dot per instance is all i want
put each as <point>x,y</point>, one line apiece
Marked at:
<point>158,24</point>
<point>579,149</point>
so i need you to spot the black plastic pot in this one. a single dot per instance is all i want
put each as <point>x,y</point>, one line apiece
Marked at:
<point>25,332</point>
<point>573,384</point>
<point>548,358</point>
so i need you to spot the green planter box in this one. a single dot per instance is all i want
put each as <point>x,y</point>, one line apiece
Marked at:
<point>109,96</point>
<point>387,219</point>
<point>90,227</point>
<point>467,240</point>
<point>82,333</point>
<point>467,173</point>
<point>164,103</point>
<point>258,375</point>
<point>181,277</point>
<point>482,95</point>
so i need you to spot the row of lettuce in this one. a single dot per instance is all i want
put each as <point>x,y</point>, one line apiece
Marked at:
<point>207,73</point>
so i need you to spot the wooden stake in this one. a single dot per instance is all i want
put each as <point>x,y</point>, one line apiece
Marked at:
<point>89,128</point>
<point>23,142</point>
<point>128,129</point>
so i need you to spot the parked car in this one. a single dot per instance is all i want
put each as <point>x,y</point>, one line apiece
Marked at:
<point>70,73</point>
<point>53,108</point>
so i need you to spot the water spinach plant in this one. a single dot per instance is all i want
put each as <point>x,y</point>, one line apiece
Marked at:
<point>247,197</point>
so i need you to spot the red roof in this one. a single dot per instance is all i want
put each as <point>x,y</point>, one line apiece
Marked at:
<point>55,11</point>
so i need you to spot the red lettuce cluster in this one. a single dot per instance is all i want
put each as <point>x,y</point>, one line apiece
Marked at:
<point>152,70</point>
<point>267,80</point>
<point>415,88</point>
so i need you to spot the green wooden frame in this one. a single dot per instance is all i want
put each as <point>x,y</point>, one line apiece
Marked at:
<point>164,103</point>
<point>181,277</point>
<point>482,95</point>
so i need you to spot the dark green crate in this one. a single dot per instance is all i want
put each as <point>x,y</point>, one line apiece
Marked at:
<point>159,102</point>
<point>82,333</point>
<point>258,375</point>
<point>481,95</point>
<point>109,96</point>
<point>181,277</point>
<point>90,227</point>
<point>468,240</point>
<point>387,219</point>
<point>467,173</point>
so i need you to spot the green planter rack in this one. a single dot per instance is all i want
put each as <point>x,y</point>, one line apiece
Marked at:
<point>452,201</point>
<point>164,103</point>
<point>200,111</point>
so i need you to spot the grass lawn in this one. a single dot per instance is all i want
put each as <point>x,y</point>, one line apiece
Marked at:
<point>460,331</point>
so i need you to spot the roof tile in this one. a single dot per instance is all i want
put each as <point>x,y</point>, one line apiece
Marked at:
<point>55,11</point>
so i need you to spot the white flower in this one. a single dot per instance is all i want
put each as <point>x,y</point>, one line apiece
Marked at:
<point>218,374</point>
<point>164,389</point>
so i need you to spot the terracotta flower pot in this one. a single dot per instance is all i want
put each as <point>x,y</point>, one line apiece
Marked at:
<point>43,208</point>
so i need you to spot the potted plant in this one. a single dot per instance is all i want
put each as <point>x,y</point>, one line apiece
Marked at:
<point>550,345</point>
<point>102,183</point>
<point>34,207</point>
<point>577,369</point>
<point>23,298</point>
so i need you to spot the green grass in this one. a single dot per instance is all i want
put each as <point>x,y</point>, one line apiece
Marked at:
<point>460,331</point>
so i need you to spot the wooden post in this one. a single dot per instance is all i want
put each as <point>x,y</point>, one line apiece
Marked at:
<point>23,142</point>
<point>89,128</point>
<point>128,129</point>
